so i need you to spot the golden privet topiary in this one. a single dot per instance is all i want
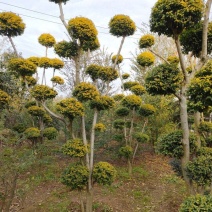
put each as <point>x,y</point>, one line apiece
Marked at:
<point>11,24</point>
<point>23,67</point>
<point>122,26</point>
<point>132,101</point>
<point>46,40</point>
<point>57,63</point>
<point>43,92</point>
<point>4,98</point>
<point>70,108</point>
<point>83,29</point>
<point>85,91</point>
<point>57,80</point>
<point>146,41</point>
<point>119,60</point>
<point>145,59</point>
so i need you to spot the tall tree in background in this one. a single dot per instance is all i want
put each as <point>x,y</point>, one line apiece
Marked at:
<point>172,18</point>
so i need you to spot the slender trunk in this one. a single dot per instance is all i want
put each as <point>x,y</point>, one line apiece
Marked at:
<point>13,45</point>
<point>85,140</point>
<point>196,130</point>
<point>89,200</point>
<point>70,127</point>
<point>125,132</point>
<point>205,30</point>
<point>81,201</point>
<point>129,166</point>
<point>136,148</point>
<point>131,127</point>
<point>118,53</point>
<point>43,77</point>
<point>77,71</point>
<point>185,140</point>
<point>62,18</point>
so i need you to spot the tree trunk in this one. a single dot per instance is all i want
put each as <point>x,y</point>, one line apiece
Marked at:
<point>129,166</point>
<point>13,45</point>
<point>89,200</point>
<point>196,125</point>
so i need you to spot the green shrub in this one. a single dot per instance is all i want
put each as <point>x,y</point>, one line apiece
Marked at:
<point>36,111</point>
<point>138,90</point>
<point>104,173</point>
<point>171,144</point>
<point>204,151</point>
<point>122,111</point>
<point>75,177</point>
<point>200,170</point>
<point>118,137</point>
<point>141,137</point>
<point>132,101</point>
<point>129,84</point>
<point>146,110</point>
<point>205,127</point>
<point>50,133</point>
<point>126,151</point>
<point>100,127</point>
<point>198,203</point>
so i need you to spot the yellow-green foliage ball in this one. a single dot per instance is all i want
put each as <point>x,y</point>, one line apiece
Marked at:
<point>85,91</point>
<point>70,107</point>
<point>146,41</point>
<point>119,124</point>
<point>104,173</point>
<point>75,177</point>
<point>11,24</point>
<point>32,132</point>
<point>93,71</point>
<point>29,104</point>
<point>34,60</point>
<point>57,63</point>
<point>173,60</point>
<point>57,80</point>
<point>138,90</point>
<point>118,97</point>
<point>47,118</point>
<point>145,59</point>
<point>36,111</point>
<point>132,101</point>
<point>108,74</point>
<point>122,111</point>
<point>125,76</point>
<point>43,92</point>
<point>75,148</point>
<point>102,103</point>
<point>45,62</point>
<point>4,98</point>
<point>141,137</point>
<point>30,80</point>
<point>126,151</point>
<point>50,133</point>
<point>129,84</point>
<point>22,66</point>
<point>100,127</point>
<point>46,40</point>
<point>122,26</point>
<point>66,49</point>
<point>91,45</point>
<point>205,127</point>
<point>83,29</point>
<point>146,110</point>
<point>119,60</point>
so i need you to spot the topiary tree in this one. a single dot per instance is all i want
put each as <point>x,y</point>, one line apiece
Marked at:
<point>50,133</point>
<point>33,134</point>
<point>104,173</point>
<point>171,18</point>
<point>4,99</point>
<point>11,25</point>
<point>145,59</point>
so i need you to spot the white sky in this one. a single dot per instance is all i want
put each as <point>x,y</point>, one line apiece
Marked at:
<point>99,11</point>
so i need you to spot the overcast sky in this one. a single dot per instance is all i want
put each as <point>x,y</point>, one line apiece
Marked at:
<point>99,11</point>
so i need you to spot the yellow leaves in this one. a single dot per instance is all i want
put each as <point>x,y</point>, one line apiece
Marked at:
<point>122,26</point>
<point>145,59</point>
<point>46,40</point>
<point>57,80</point>
<point>11,24</point>
<point>83,29</point>
<point>146,41</point>
<point>4,98</point>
